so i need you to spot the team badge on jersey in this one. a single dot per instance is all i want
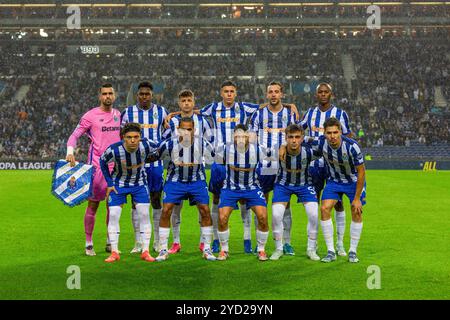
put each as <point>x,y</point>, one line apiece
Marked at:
<point>237,108</point>
<point>116,119</point>
<point>72,185</point>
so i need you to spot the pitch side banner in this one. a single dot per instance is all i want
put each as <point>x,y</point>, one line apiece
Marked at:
<point>27,165</point>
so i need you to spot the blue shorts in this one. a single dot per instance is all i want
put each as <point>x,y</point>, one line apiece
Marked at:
<point>230,198</point>
<point>196,192</point>
<point>304,193</point>
<point>267,182</point>
<point>217,177</point>
<point>155,178</point>
<point>318,176</point>
<point>335,191</point>
<point>138,194</point>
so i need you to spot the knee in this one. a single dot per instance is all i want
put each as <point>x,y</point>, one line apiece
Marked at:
<point>356,217</point>
<point>325,211</point>
<point>93,205</point>
<point>339,206</point>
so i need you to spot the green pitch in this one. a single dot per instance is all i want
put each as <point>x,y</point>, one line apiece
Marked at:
<point>406,234</point>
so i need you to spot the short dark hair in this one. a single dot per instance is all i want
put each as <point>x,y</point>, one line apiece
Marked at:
<point>228,83</point>
<point>294,128</point>
<point>145,84</point>
<point>187,119</point>
<point>277,83</point>
<point>330,122</point>
<point>130,127</point>
<point>185,93</point>
<point>105,85</point>
<point>240,126</point>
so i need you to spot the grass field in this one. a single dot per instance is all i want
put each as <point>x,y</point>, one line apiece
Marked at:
<point>406,234</point>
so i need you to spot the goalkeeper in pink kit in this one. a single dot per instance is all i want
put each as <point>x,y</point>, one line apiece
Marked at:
<point>102,126</point>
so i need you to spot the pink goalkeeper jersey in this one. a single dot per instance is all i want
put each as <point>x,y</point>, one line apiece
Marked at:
<point>103,128</point>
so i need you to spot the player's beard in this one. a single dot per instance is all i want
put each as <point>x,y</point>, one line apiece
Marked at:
<point>274,103</point>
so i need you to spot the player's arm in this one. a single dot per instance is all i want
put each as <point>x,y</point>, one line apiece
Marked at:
<point>170,116</point>
<point>346,131</point>
<point>106,158</point>
<point>293,109</point>
<point>207,130</point>
<point>83,126</point>
<point>158,151</point>
<point>356,203</point>
<point>358,162</point>
<point>124,118</point>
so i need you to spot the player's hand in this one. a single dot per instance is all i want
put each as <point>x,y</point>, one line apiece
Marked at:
<point>282,154</point>
<point>71,159</point>
<point>294,109</point>
<point>357,206</point>
<point>263,105</point>
<point>167,120</point>
<point>109,190</point>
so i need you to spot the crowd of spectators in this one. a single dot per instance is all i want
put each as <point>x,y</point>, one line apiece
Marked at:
<point>189,10</point>
<point>391,101</point>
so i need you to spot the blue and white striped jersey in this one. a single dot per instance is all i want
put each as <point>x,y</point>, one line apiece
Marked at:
<point>241,167</point>
<point>151,121</point>
<point>225,119</point>
<point>314,119</point>
<point>270,128</point>
<point>294,171</point>
<point>129,168</point>
<point>186,162</point>
<point>201,125</point>
<point>341,162</point>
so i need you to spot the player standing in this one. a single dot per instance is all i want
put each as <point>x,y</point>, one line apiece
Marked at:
<point>269,124</point>
<point>345,162</point>
<point>102,126</point>
<point>313,123</point>
<point>241,160</point>
<point>186,179</point>
<point>186,102</point>
<point>293,179</point>
<point>151,118</point>
<point>128,178</point>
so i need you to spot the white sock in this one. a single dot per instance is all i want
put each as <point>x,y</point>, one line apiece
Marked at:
<point>163,237</point>
<point>224,236</point>
<point>355,235</point>
<point>247,221</point>
<point>206,234</point>
<point>176,221</point>
<point>261,238</point>
<point>327,230</point>
<point>215,220</point>
<point>136,228</point>
<point>287,225</point>
<point>114,227</point>
<point>278,210</point>
<point>312,211</point>
<point>156,217</point>
<point>143,210</point>
<point>340,226</point>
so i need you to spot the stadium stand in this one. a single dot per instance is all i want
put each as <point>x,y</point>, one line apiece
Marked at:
<point>385,79</point>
